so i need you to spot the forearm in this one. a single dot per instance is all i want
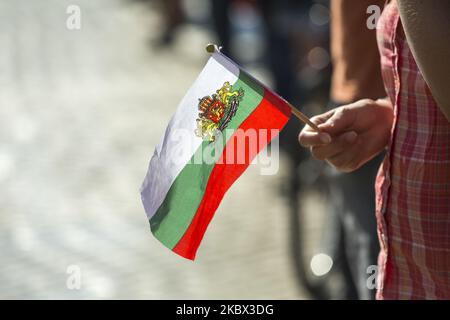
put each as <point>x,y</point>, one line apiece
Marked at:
<point>427,28</point>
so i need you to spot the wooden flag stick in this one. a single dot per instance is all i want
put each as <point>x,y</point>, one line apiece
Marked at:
<point>303,118</point>
<point>211,48</point>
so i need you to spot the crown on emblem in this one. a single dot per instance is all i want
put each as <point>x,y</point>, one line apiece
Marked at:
<point>216,111</point>
<point>204,103</point>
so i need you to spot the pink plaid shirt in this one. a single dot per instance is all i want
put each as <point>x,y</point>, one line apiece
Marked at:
<point>413,184</point>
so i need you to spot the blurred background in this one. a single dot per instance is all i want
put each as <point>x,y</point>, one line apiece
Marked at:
<point>81,111</point>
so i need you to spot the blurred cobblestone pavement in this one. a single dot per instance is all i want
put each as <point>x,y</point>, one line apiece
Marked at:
<point>80,114</point>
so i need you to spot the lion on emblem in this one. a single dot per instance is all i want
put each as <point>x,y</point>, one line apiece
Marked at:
<point>216,111</point>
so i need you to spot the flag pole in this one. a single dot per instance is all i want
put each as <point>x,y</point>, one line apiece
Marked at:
<point>303,118</point>
<point>211,48</point>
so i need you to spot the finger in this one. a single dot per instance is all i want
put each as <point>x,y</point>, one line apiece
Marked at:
<point>322,118</point>
<point>341,120</point>
<point>339,145</point>
<point>343,162</point>
<point>309,138</point>
<point>346,161</point>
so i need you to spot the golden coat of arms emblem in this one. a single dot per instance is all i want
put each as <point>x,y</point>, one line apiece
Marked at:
<point>216,111</point>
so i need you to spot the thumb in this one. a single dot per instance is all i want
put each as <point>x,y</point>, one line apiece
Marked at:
<point>340,121</point>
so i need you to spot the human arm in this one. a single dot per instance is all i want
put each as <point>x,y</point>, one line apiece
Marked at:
<point>427,29</point>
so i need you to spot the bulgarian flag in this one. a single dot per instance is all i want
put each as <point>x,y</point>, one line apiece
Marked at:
<point>182,190</point>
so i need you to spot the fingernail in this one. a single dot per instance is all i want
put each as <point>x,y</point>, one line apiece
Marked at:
<point>325,124</point>
<point>325,138</point>
<point>351,136</point>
